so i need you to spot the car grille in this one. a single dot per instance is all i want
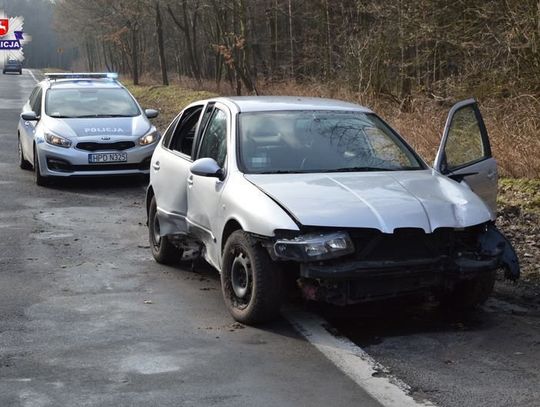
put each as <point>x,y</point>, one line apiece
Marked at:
<point>60,165</point>
<point>119,145</point>
<point>412,243</point>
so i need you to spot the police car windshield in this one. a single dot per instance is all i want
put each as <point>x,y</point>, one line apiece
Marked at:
<point>95,102</point>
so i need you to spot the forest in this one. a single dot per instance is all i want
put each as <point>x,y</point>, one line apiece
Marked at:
<point>391,47</point>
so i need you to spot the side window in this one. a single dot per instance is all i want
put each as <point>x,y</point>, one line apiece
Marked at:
<point>170,131</point>
<point>32,98</point>
<point>184,133</point>
<point>465,143</point>
<point>204,121</point>
<point>214,141</point>
<point>36,104</point>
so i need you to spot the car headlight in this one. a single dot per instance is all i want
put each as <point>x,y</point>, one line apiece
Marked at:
<point>149,138</point>
<point>57,140</point>
<point>311,247</point>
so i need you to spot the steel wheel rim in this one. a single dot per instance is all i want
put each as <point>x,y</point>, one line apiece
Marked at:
<point>241,279</point>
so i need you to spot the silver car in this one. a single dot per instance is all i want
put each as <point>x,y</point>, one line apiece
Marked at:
<point>84,124</point>
<point>324,193</point>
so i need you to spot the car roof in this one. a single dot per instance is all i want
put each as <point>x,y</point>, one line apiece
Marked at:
<point>81,83</point>
<point>282,103</point>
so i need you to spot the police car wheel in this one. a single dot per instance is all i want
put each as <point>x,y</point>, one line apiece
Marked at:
<point>40,179</point>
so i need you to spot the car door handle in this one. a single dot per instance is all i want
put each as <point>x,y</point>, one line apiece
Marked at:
<point>492,174</point>
<point>156,166</point>
<point>190,181</point>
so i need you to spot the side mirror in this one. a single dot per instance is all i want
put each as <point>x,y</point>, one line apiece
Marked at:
<point>207,167</point>
<point>151,113</point>
<point>30,116</point>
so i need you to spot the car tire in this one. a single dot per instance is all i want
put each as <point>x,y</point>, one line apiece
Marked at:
<point>40,179</point>
<point>250,282</point>
<point>163,250</point>
<point>23,163</point>
<point>469,294</point>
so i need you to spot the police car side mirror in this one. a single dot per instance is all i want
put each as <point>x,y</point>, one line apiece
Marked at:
<point>30,116</point>
<point>151,113</point>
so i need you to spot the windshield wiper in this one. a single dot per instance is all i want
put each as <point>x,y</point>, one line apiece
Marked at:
<point>360,169</point>
<point>59,116</point>
<point>101,115</point>
<point>281,172</point>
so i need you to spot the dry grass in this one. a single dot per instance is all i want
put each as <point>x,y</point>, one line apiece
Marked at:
<point>513,123</point>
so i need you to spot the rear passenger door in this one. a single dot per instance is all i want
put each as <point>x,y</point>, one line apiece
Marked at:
<point>169,171</point>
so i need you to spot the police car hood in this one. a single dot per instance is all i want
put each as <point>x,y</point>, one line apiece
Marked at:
<point>377,200</point>
<point>96,128</point>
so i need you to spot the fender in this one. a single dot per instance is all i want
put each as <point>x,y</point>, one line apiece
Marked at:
<point>493,242</point>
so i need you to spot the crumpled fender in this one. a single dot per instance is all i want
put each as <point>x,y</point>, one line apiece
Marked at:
<point>493,242</point>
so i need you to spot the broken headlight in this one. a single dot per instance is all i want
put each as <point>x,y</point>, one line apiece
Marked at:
<point>314,246</point>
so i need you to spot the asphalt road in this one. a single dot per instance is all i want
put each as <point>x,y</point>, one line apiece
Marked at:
<point>87,318</point>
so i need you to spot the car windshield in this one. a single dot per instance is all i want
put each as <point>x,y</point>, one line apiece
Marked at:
<point>320,141</point>
<point>95,102</point>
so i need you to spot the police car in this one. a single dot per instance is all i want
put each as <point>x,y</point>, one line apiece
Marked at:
<point>84,124</point>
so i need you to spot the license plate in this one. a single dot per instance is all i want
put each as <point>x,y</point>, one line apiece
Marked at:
<point>99,158</point>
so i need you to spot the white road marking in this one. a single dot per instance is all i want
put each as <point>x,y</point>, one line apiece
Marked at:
<point>354,362</point>
<point>32,75</point>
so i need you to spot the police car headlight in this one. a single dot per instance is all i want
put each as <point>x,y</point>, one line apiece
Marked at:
<point>149,138</point>
<point>57,140</point>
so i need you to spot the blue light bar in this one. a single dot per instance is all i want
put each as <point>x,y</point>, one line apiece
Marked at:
<point>81,75</point>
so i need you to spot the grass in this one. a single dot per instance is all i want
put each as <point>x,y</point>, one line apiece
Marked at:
<point>169,100</point>
<point>524,193</point>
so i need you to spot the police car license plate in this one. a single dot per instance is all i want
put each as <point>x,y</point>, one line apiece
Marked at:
<point>100,158</point>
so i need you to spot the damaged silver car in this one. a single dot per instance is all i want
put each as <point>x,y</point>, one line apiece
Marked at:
<point>326,194</point>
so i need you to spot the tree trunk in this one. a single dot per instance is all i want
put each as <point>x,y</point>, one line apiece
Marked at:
<point>161,48</point>
<point>291,38</point>
<point>135,52</point>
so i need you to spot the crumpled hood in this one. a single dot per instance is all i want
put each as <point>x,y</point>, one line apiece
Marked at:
<point>113,127</point>
<point>378,200</point>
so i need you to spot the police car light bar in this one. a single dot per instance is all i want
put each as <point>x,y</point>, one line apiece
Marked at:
<point>81,75</point>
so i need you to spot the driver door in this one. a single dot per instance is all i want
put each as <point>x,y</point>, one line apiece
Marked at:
<point>465,153</point>
<point>204,193</point>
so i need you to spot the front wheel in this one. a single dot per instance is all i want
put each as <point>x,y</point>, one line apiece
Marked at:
<point>40,179</point>
<point>23,163</point>
<point>250,282</point>
<point>163,250</point>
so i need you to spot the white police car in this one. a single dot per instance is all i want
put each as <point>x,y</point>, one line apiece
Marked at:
<point>84,124</point>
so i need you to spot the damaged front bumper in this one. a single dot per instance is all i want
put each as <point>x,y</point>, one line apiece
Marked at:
<point>393,265</point>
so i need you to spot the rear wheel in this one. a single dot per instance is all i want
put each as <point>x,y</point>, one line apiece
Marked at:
<point>163,250</point>
<point>40,179</point>
<point>469,294</point>
<point>23,163</point>
<point>250,282</point>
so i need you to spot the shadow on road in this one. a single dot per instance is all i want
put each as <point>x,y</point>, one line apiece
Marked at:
<point>99,183</point>
<point>369,324</point>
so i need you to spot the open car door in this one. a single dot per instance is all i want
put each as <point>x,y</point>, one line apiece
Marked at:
<point>465,152</point>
